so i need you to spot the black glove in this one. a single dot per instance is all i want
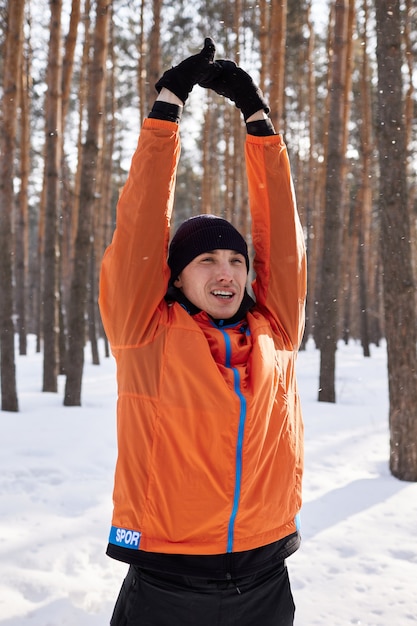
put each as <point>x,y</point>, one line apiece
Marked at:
<point>227,79</point>
<point>182,78</point>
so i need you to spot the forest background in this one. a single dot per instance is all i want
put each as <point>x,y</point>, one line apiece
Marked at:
<point>77,79</point>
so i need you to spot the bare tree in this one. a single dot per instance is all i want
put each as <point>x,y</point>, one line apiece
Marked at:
<point>53,152</point>
<point>347,291</point>
<point>154,50</point>
<point>82,96</point>
<point>409,22</point>
<point>332,234</point>
<point>364,204</point>
<point>237,172</point>
<point>68,60</point>
<point>264,39</point>
<point>399,289</point>
<point>21,218</point>
<point>142,75</point>
<point>67,197</point>
<point>208,174</point>
<point>89,173</point>
<point>9,102</point>
<point>104,217</point>
<point>311,185</point>
<point>277,60</point>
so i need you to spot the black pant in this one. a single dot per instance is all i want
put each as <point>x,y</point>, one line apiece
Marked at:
<point>149,598</point>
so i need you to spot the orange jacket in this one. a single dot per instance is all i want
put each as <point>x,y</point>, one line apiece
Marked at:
<point>210,434</point>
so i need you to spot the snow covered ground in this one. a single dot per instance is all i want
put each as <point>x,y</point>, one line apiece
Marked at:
<point>358,561</point>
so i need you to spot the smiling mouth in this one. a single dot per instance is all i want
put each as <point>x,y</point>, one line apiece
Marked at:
<point>223,295</point>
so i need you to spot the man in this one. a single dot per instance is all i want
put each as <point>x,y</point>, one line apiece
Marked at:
<point>210,450</point>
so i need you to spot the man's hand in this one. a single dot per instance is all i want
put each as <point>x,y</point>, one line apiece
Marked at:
<point>181,79</point>
<point>227,79</point>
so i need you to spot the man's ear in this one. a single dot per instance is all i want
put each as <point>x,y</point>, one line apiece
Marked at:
<point>178,282</point>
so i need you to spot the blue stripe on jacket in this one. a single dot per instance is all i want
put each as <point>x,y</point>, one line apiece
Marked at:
<point>239,443</point>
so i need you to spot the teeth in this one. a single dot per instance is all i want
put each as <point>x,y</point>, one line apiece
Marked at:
<point>227,294</point>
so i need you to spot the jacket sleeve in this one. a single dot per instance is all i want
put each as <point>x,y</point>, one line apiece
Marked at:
<point>134,272</point>
<point>277,235</point>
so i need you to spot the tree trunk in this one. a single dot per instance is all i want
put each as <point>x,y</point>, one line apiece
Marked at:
<point>81,107</point>
<point>409,28</point>
<point>347,291</point>
<point>363,296</point>
<point>365,251</point>
<point>22,226</point>
<point>277,61</point>
<point>38,271</point>
<point>310,178</point>
<point>8,124</point>
<point>104,218</point>
<point>67,199</point>
<point>239,210</point>
<point>68,61</point>
<point>332,234</point>
<point>264,39</point>
<point>206,195</point>
<point>90,155</point>
<point>92,308</point>
<point>53,152</point>
<point>154,52</point>
<point>142,75</point>
<point>399,290</point>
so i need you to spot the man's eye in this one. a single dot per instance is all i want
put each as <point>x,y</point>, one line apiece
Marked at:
<point>237,261</point>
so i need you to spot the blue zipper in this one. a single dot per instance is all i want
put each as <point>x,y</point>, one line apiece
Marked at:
<point>239,444</point>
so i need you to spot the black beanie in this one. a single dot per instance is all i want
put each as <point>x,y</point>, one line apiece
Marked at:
<point>200,234</point>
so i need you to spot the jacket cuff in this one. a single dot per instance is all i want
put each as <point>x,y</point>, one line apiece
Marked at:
<point>166,111</point>
<point>260,128</point>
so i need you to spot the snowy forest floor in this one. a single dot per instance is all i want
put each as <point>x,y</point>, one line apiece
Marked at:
<point>358,561</point>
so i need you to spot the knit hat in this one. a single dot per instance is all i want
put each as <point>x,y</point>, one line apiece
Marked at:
<point>200,234</point>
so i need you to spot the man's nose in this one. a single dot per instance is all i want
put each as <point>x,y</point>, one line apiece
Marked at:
<point>224,271</point>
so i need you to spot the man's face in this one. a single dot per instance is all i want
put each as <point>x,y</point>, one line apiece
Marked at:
<point>215,282</point>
